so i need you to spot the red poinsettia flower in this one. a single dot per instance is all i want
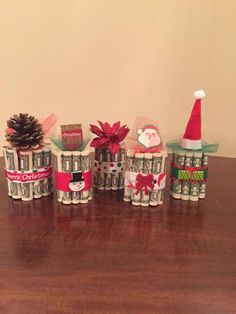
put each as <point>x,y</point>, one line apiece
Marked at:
<point>108,136</point>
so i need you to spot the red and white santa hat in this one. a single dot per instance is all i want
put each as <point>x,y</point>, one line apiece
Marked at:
<point>147,127</point>
<point>192,138</point>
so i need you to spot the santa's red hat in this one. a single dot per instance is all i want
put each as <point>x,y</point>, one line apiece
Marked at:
<point>192,138</point>
<point>147,127</point>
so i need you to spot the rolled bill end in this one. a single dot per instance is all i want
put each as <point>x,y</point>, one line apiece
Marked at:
<point>152,203</point>
<point>126,199</point>
<point>185,197</point>
<point>135,203</point>
<point>85,152</point>
<point>66,202</point>
<point>193,198</point>
<point>90,195</point>
<point>144,204</point>
<point>130,153</point>
<point>75,201</point>
<point>84,201</point>
<point>177,196</point>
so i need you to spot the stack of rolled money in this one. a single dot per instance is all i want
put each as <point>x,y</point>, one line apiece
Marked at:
<point>143,163</point>
<point>188,175</point>
<point>25,164</point>
<point>109,169</point>
<point>72,162</point>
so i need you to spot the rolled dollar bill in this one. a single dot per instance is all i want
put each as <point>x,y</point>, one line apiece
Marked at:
<point>67,167</point>
<point>100,175</point>
<point>147,168</point>
<point>57,161</point>
<point>90,191</point>
<point>85,166</point>
<point>194,188</point>
<point>26,164</point>
<point>185,192</point>
<point>156,169</point>
<point>47,162</point>
<point>129,166</point>
<point>11,163</point>
<point>138,167</point>
<point>107,176</point>
<point>176,185</point>
<point>38,164</point>
<point>163,169</point>
<point>115,175</point>
<point>121,173</point>
<point>76,166</point>
<point>96,173</point>
<point>202,187</point>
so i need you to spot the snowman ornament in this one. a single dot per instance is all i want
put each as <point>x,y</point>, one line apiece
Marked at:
<point>149,136</point>
<point>77,181</point>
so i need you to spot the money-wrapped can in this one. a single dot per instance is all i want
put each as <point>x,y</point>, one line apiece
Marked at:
<point>109,155</point>
<point>73,176</point>
<point>25,169</point>
<point>25,172</point>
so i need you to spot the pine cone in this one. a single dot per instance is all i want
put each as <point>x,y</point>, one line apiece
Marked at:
<point>26,131</point>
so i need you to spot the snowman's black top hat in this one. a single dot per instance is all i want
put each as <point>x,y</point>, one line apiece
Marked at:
<point>77,176</point>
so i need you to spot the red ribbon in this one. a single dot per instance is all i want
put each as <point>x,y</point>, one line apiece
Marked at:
<point>28,176</point>
<point>143,182</point>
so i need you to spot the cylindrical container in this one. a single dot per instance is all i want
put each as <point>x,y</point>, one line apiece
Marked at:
<point>26,171</point>
<point>109,169</point>
<point>73,176</point>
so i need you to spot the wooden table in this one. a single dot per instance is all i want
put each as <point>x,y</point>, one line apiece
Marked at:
<point>111,257</point>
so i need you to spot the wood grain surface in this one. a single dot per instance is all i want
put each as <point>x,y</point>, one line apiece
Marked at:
<point>111,257</point>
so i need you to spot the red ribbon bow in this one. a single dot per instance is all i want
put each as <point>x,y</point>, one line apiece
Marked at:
<point>143,182</point>
<point>191,170</point>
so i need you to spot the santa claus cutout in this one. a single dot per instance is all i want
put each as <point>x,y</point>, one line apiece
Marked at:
<point>149,136</point>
